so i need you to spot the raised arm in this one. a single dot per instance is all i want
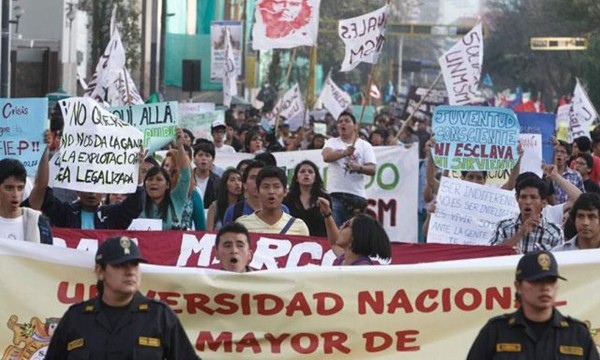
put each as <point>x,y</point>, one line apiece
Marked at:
<point>184,160</point>
<point>571,190</point>
<point>330,226</point>
<point>36,197</point>
<point>516,170</point>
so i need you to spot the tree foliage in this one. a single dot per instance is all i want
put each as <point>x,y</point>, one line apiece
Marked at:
<point>511,62</point>
<point>128,14</point>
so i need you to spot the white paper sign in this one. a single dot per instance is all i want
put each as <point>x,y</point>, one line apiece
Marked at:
<point>98,151</point>
<point>461,67</point>
<point>364,37</point>
<point>285,24</point>
<point>467,213</point>
<point>532,155</point>
<point>145,225</point>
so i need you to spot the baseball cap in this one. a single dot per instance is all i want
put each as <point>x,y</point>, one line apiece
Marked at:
<point>537,265</point>
<point>217,124</point>
<point>118,250</point>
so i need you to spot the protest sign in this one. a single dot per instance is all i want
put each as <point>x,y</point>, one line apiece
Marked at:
<point>291,106</point>
<point>425,111</point>
<point>186,108</point>
<point>22,130</point>
<point>410,312</point>
<point>539,123</point>
<point>461,67</point>
<point>270,251</point>
<point>200,123</point>
<point>218,31</point>
<point>285,24</point>
<point>532,155</point>
<point>363,37</point>
<point>391,193</point>
<point>334,98</point>
<point>475,138</point>
<point>157,122</point>
<point>145,225</point>
<point>562,123</point>
<point>582,113</point>
<point>98,151</point>
<point>467,213</point>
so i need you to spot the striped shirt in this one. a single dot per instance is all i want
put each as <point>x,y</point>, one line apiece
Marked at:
<point>544,237</point>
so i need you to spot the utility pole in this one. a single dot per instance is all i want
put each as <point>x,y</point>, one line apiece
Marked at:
<point>5,51</point>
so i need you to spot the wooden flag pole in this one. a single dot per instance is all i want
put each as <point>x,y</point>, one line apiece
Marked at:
<point>418,106</point>
<point>289,70</point>
<point>364,104</point>
<point>309,93</point>
<point>127,87</point>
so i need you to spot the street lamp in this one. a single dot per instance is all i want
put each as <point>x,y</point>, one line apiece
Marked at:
<point>18,11</point>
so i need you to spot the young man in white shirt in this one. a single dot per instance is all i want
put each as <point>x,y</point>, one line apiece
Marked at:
<point>16,222</point>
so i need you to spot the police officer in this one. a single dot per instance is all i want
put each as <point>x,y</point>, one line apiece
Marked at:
<point>537,330</point>
<point>120,323</point>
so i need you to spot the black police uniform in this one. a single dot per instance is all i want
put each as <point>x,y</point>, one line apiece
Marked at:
<point>509,337</point>
<point>144,329</point>
<point>149,330</point>
<point>512,336</point>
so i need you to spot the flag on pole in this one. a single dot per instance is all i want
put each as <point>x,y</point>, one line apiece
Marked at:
<point>364,37</point>
<point>291,106</point>
<point>461,67</point>
<point>582,113</point>
<point>334,98</point>
<point>229,76</point>
<point>374,92</point>
<point>285,24</point>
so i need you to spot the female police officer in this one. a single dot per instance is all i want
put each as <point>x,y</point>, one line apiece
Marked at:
<point>120,323</point>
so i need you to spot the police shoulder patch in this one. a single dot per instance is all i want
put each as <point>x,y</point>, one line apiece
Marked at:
<point>508,347</point>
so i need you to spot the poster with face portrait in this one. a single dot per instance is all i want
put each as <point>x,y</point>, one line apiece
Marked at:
<point>285,24</point>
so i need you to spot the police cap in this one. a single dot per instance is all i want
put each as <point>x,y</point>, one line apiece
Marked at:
<point>537,265</point>
<point>118,250</point>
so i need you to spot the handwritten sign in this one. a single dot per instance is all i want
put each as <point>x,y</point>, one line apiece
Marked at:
<point>364,37</point>
<point>467,213</point>
<point>532,155</point>
<point>22,124</point>
<point>98,151</point>
<point>200,123</point>
<point>475,138</point>
<point>157,122</point>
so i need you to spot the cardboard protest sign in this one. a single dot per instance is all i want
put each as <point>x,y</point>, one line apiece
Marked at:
<point>218,31</point>
<point>200,123</point>
<point>334,98</point>
<point>539,123</point>
<point>475,138</point>
<point>467,213</point>
<point>22,125</point>
<point>157,121</point>
<point>411,312</point>
<point>582,113</point>
<point>461,67</point>
<point>98,151</point>
<point>285,24</point>
<point>363,37</point>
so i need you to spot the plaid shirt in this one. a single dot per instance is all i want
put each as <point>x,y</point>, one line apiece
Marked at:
<point>544,237</point>
<point>574,178</point>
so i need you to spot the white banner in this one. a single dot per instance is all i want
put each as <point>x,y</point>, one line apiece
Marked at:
<point>291,106</point>
<point>334,98</point>
<point>392,192</point>
<point>218,30</point>
<point>467,213</point>
<point>582,113</point>
<point>461,67</point>
<point>98,151</point>
<point>285,24</point>
<point>230,75</point>
<point>364,37</point>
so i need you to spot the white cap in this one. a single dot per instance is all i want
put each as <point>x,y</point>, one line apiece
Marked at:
<point>217,123</point>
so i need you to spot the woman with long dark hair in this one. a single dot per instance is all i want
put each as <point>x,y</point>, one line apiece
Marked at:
<point>305,190</point>
<point>162,200</point>
<point>230,192</point>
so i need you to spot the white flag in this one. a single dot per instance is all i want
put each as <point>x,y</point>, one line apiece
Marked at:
<point>285,24</point>
<point>291,106</point>
<point>229,77</point>
<point>121,89</point>
<point>582,113</point>
<point>461,67</point>
<point>334,98</point>
<point>363,36</point>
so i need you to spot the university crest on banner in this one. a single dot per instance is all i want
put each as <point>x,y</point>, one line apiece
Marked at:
<point>285,24</point>
<point>30,339</point>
